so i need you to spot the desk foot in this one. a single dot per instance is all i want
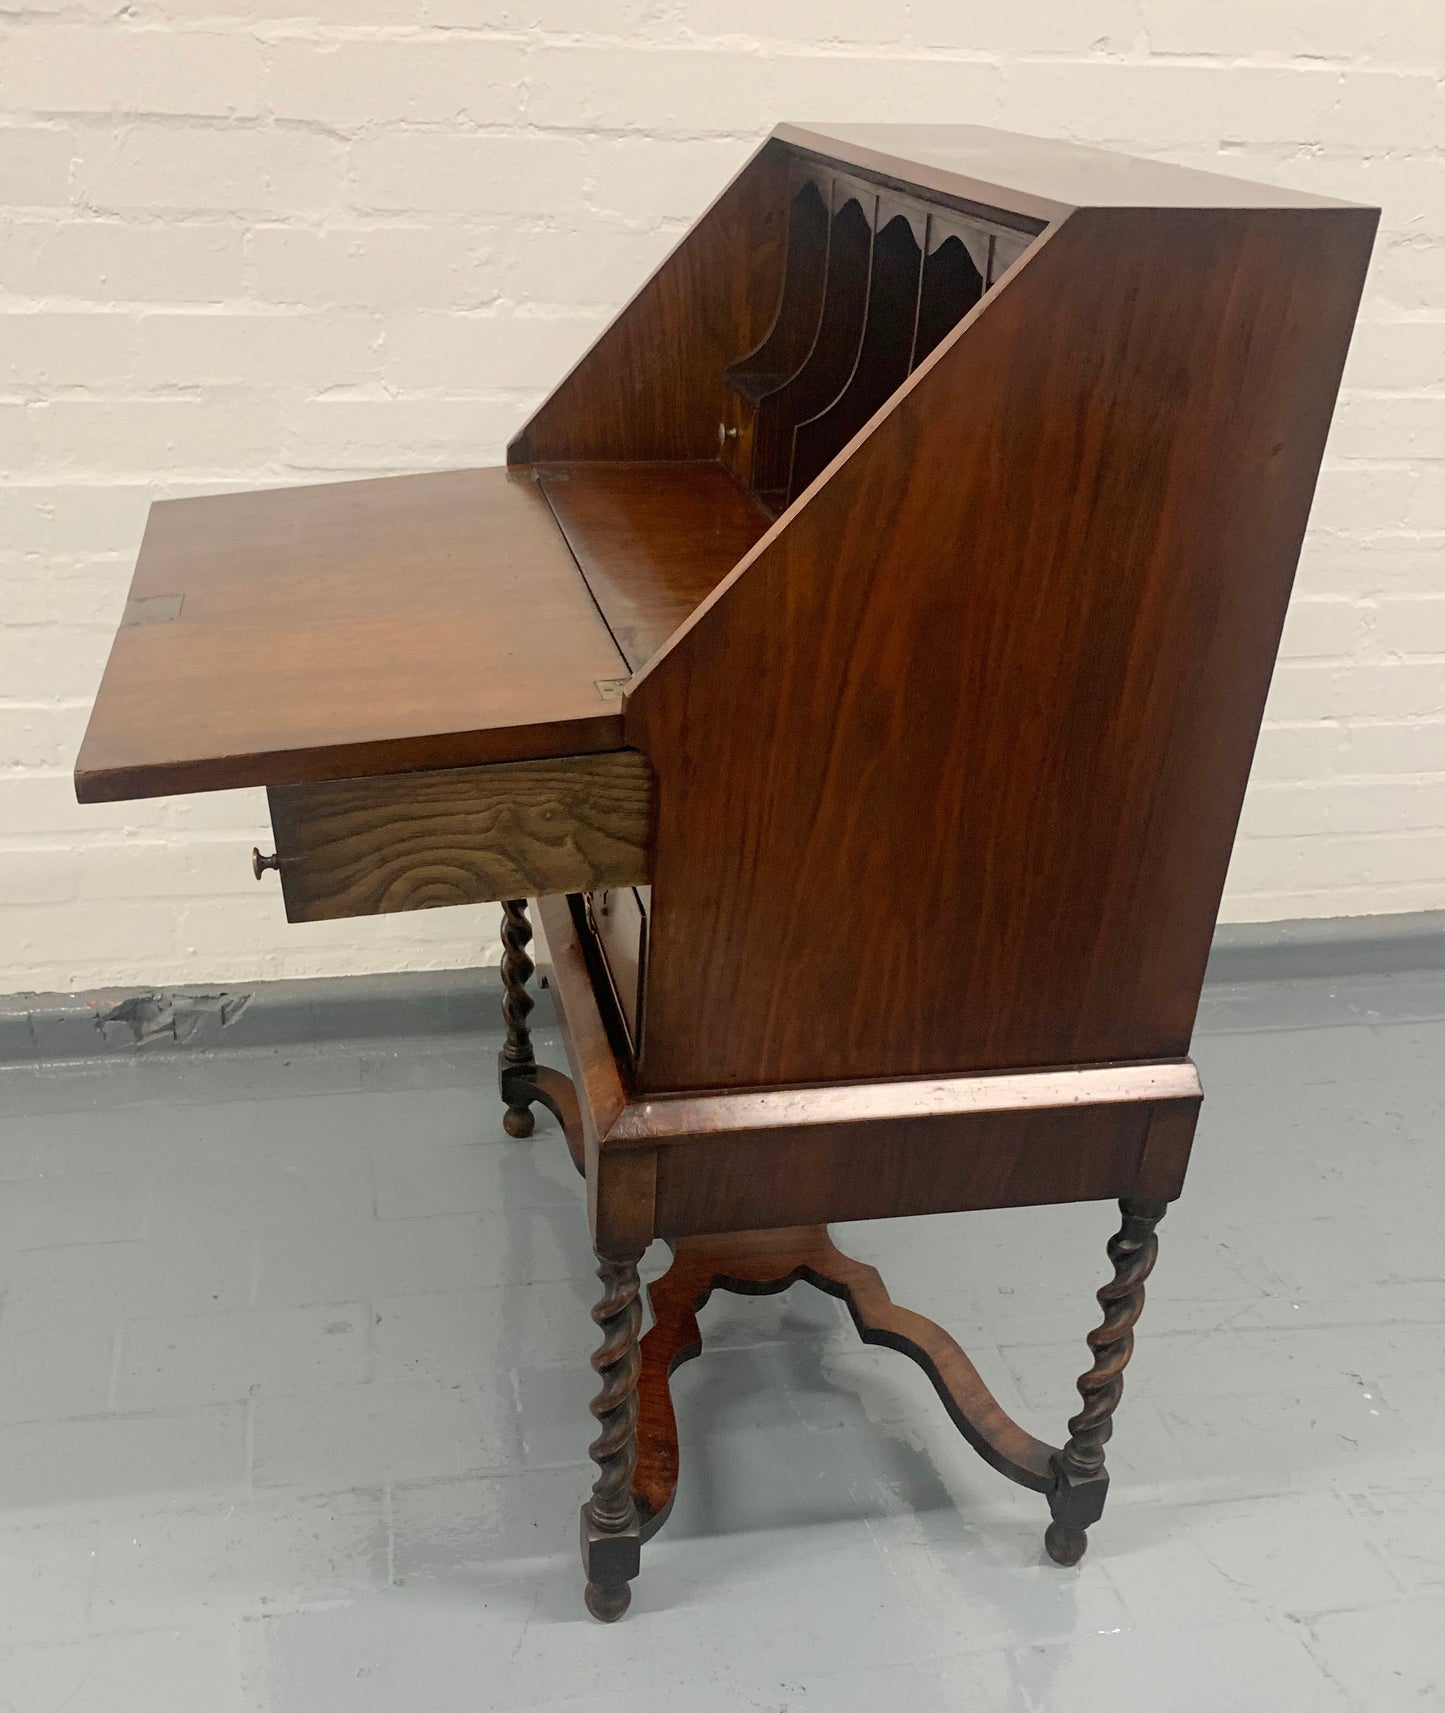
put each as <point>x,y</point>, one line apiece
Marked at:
<point>518,1122</point>
<point>516,1063</point>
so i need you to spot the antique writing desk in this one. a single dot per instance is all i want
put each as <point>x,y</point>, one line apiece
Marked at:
<point>859,660</point>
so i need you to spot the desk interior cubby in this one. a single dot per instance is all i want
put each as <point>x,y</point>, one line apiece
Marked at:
<point>814,289</point>
<point>874,279</point>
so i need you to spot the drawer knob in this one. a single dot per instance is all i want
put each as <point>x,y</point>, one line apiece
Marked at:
<point>259,863</point>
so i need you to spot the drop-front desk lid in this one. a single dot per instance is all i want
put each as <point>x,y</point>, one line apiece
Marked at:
<point>353,628</point>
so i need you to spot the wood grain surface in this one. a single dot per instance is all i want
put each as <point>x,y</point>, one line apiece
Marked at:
<point>949,773</point>
<point>350,628</point>
<point>365,847</point>
<point>942,1164</point>
<point>652,540</point>
<point>754,1159</point>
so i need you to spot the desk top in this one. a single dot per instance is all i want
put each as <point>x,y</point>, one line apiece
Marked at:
<point>1035,176</point>
<point>353,628</point>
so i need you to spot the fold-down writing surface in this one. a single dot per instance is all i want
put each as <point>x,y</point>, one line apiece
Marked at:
<point>653,540</point>
<point>348,629</point>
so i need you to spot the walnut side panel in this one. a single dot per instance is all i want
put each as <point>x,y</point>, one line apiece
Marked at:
<point>470,835</point>
<point>949,772</point>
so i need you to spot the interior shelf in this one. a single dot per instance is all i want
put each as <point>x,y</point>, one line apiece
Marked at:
<point>652,540</point>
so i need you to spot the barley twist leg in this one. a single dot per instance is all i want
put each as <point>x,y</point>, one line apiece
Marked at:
<point>516,1061</point>
<point>1081,1480</point>
<point>611,1528</point>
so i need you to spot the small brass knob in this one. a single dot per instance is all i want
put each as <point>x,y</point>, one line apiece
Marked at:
<point>259,863</point>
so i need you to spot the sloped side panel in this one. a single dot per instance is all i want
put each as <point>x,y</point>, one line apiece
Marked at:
<point>653,387</point>
<point>948,776</point>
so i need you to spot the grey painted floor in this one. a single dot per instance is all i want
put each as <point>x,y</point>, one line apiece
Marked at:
<point>293,1418</point>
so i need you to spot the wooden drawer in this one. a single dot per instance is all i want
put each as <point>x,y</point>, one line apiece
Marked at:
<point>618,919</point>
<point>467,835</point>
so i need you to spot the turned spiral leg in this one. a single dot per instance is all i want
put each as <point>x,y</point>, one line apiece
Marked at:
<point>611,1537</point>
<point>516,1061</point>
<point>1081,1480</point>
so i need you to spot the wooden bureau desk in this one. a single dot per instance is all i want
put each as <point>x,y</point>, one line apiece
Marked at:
<point>860,662</point>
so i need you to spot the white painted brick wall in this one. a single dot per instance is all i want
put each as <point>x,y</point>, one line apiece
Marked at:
<point>267,241</point>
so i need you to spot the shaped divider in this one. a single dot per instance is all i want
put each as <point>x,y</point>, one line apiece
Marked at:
<point>883,354</point>
<point>830,359</point>
<point>795,326</point>
<point>873,280</point>
<point>1006,249</point>
<point>952,284</point>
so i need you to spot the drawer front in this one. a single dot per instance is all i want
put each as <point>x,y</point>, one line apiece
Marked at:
<point>618,918</point>
<point>468,835</point>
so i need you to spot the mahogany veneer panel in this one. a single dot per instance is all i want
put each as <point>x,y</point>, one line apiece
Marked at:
<point>653,540</point>
<point>860,1150</point>
<point>816,1175</point>
<point>356,627</point>
<point>948,777</point>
